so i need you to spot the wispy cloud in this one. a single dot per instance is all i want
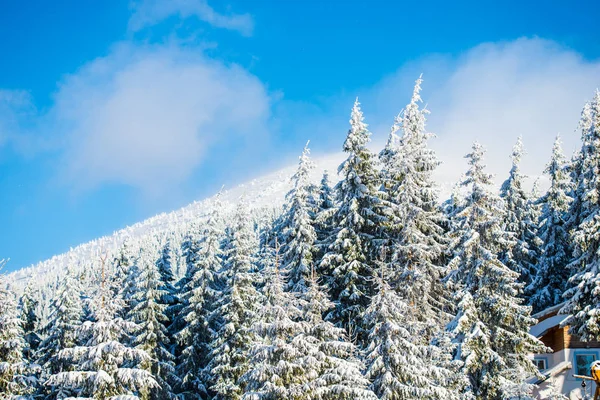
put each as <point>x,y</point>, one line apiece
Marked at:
<point>150,12</point>
<point>146,117</point>
<point>530,87</point>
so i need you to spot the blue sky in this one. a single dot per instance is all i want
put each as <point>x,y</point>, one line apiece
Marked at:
<point>113,111</point>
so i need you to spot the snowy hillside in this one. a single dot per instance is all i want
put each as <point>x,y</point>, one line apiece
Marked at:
<point>265,192</point>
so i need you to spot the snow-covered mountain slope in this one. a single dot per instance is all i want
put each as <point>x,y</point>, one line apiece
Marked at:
<point>264,192</point>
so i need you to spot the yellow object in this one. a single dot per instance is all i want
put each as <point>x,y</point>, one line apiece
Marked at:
<point>595,372</point>
<point>596,375</point>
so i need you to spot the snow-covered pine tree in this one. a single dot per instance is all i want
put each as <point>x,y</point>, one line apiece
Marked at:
<point>190,253</point>
<point>237,309</point>
<point>416,223</point>
<point>399,365</point>
<point>105,366</point>
<point>151,335</point>
<point>552,273</point>
<point>62,330</point>
<point>325,209</point>
<point>167,279</point>
<point>279,368</point>
<point>29,307</point>
<point>190,250</point>
<point>126,273</point>
<point>519,220</point>
<point>452,207</point>
<point>388,156</point>
<point>354,242</point>
<point>199,296</point>
<point>336,369</point>
<point>297,355</point>
<point>14,371</point>
<point>583,298</point>
<point>298,246</point>
<point>492,325</point>
<point>579,185</point>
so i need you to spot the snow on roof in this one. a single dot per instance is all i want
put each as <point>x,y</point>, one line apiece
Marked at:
<point>548,310</point>
<point>552,372</point>
<point>540,329</point>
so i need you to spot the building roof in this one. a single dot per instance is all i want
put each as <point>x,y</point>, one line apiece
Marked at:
<point>538,330</point>
<point>548,311</point>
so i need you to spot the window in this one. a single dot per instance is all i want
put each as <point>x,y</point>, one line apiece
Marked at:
<point>540,363</point>
<point>582,363</point>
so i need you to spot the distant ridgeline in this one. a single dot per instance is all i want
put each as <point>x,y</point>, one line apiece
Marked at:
<point>369,287</point>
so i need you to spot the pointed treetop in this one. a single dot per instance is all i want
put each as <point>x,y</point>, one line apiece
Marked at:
<point>477,153</point>
<point>557,144</point>
<point>558,157</point>
<point>356,117</point>
<point>394,139</point>
<point>306,149</point>
<point>416,97</point>
<point>305,157</point>
<point>535,189</point>
<point>587,116</point>
<point>358,135</point>
<point>595,105</point>
<point>476,173</point>
<point>517,152</point>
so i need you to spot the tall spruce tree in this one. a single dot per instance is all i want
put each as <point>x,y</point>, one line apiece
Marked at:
<point>583,298</point>
<point>62,330</point>
<point>323,222</point>
<point>149,314</point>
<point>336,359</point>
<point>299,232</point>
<point>416,223</point>
<point>552,274</point>
<point>190,253</point>
<point>278,362</point>
<point>15,378</point>
<point>357,232</point>
<point>199,296</point>
<point>325,207</point>
<point>126,273</point>
<point>519,220</point>
<point>579,184</point>
<point>164,264</point>
<point>398,364</point>
<point>29,307</point>
<point>105,365</point>
<point>492,325</point>
<point>237,311</point>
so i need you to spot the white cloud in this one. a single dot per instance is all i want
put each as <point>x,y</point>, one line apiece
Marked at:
<point>498,92</point>
<point>150,12</point>
<point>146,117</point>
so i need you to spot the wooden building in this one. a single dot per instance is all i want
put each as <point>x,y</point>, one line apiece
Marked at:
<point>570,356</point>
